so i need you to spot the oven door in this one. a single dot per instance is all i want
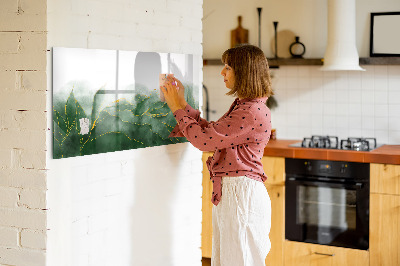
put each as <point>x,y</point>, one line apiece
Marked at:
<point>327,213</point>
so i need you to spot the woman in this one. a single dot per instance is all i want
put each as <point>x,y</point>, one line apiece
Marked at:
<point>242,208</point>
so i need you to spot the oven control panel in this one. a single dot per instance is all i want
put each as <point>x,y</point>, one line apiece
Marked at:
<point>336,169</point>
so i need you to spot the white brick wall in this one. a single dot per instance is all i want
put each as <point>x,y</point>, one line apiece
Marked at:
<point>136,207</point>
<point>23,62</point>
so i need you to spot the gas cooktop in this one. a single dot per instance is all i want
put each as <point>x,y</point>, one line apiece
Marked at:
<point>332,142</point>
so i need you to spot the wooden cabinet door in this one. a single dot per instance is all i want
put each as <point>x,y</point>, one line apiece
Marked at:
<point>277,233</point>
<point>305,254</point>
<point>274,168</point>
<point>384,236</point>
<point>385,178</point>
<point>206,226</point>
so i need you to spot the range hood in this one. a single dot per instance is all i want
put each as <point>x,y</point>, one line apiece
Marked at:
<point>341,51</point>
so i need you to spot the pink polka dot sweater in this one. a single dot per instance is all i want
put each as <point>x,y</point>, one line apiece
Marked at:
<point>238,139</point>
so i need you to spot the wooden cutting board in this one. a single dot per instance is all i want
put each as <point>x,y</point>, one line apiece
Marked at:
<point>239,35</point>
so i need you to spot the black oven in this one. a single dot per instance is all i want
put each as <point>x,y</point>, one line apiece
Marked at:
<point>327,202</point>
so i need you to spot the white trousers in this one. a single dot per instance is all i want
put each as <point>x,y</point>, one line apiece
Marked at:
<point>241,223</point>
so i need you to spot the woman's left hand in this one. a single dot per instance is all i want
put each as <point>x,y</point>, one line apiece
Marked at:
<point>171,96</point>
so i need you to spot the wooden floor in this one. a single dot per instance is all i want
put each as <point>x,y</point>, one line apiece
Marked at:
<point>206,261</point>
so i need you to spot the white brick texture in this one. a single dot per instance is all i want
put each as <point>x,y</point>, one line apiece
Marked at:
<point>117,208</point>
<point>23,44</point>
<point>9,237</point>
<point>35,239</point>
<point>8,197</point>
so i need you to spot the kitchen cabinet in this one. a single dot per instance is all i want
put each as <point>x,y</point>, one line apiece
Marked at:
<point>274,168</point>
<point>385,178</point>
<point>305,254</point>
<point>206,225</point>
<point>385,214</point>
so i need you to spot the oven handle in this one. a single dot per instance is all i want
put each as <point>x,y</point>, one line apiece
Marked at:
<point>357,185</point>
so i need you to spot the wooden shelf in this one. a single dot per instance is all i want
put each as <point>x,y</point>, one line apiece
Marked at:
<point>380,61</point>
<point>274,63</point>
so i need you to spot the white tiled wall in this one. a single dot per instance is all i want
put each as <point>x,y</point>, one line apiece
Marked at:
<point>313,102</point>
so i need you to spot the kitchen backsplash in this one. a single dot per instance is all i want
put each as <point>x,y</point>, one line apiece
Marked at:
<point>314,102</point>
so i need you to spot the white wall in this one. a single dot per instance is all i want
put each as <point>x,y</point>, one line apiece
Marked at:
<point>311,102</point>
<point>305,18</point>
<point>136,207</point>
<point>23,133</point>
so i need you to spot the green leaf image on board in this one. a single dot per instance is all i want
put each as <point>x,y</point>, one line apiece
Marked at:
<point>124,111</point>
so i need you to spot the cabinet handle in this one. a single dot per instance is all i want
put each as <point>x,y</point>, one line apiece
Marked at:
<point>325,254</point>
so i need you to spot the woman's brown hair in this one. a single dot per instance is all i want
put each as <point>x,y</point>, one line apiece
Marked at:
<point>250,66</point>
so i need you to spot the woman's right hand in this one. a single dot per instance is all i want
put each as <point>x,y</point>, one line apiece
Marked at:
<point>181,91</point>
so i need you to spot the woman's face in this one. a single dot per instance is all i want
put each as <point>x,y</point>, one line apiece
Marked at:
<point>229,76</point>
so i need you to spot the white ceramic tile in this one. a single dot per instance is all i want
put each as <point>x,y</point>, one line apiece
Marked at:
<point>394,97</point>
<point>279,72</point>
<point>316,82</point>
<point>291,71</point>
<point>328,74</point>
<point>304,72</point>
<point>367,110</point>
<point>355,122</point>
<point>317,107</point>
<point>342,81</point>
<point>381,97</point>
<point>382,136</point>
<point>278,83</point>
<point>304,109</point>
<point>355,96</point>
<point>342,133</point>
<point>394,137</point>
<point>369,70</point>
<point>354,75</point>
<point>329,122</point>
<point>380,84</point>
<point>368,122</point>
<point>380,71</point>
<point>329,94</point>
<point>303,82</point>
<point>394,83</point>
<point>394,110</point>
<point>367,96</point>
<point>355,109</point>
<point>342,96</point>
<point>316,72</point>
<point>367,133</point>
<point>394,70</point>
<point>381,110</point>
<point>317,120</point>
<point>354,83</point>
<point>292,83</point>
<point>317,131</point>
<point>394,123</point>
<point>293,120</point>
<point>355,132</point>
<point>342,122</point>
<point>317,95</point>
<point>329,109</point>
<point>342,109</point>
<point>367,83</point>
<point>381,123</point>
<point>329,131</point>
